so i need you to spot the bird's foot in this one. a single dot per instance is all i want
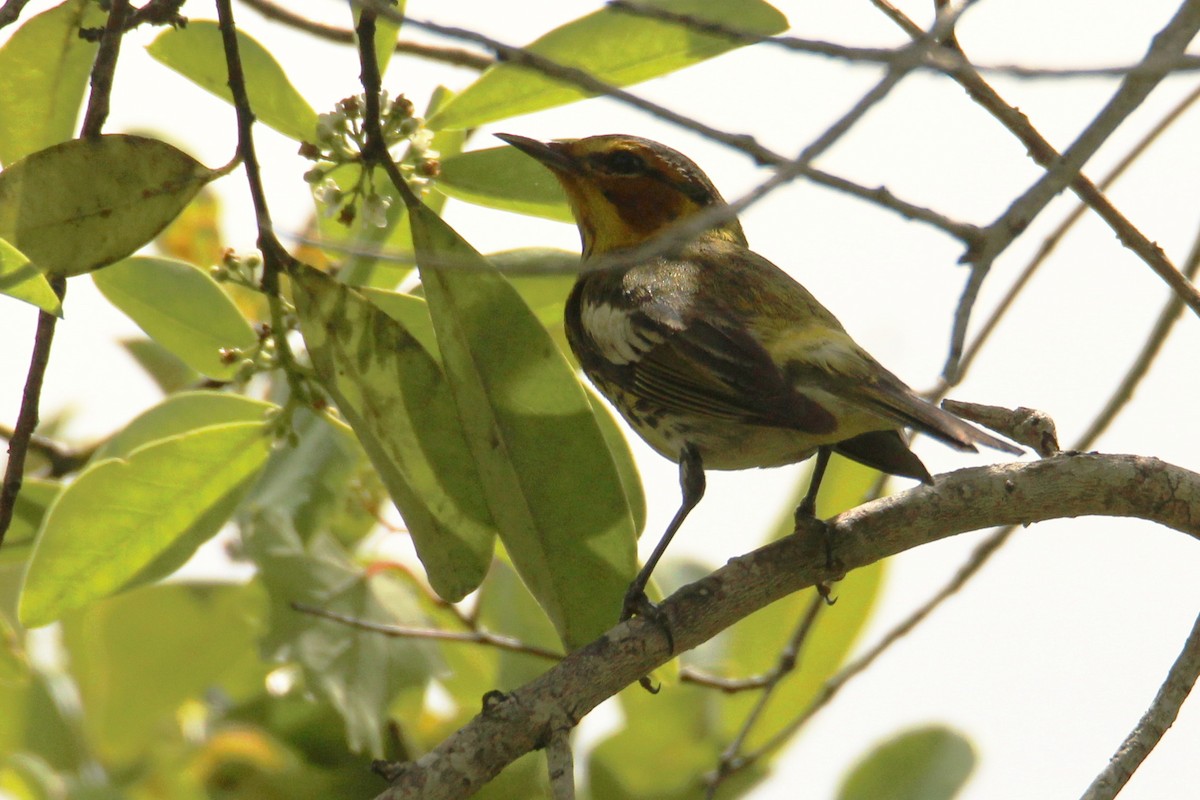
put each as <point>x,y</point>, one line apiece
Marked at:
<point>637,604</point>
<point>809,525</point>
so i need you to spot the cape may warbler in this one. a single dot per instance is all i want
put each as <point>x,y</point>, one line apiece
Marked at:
<point>714,355</point>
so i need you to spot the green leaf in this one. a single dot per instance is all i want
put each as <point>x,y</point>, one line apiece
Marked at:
<point>547,472</point>
<point>163,367</point>
<point>931,763</point>
<point>396,399</point>
<point>22,280</point>
<point>121,514</point>
<point>44,70</point>
<point>182,308</point>
<point>358,672</point>
<point>182,413</point>
<point>197,53</point>
<point>410,311</point>
<point>135,658</point>
<point>668,743</point>
<point>35,497</point>
<point>752,646</point>
<point>504,178</point>
<point>305,479</point>
<point>616,47</point>
<point>86,203</point>
<point>386,33</point>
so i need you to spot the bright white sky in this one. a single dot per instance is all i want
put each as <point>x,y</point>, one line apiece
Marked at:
<point>1049,657</point>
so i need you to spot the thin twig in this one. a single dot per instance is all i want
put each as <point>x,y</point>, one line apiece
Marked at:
<point>788,659</point>
<point>11,11</point>
<point>276,259</point>
<point>27,416</point>
<point>476,637</point>
<point>1063,170</point>
<point>938,61</point>
<point>62,458</point>
<point>560,765</point>
<point>1153,724</point>
<point>979,556</point>
<point>1052,240</point>
<point>446,55</point>
<point>1121,396</point>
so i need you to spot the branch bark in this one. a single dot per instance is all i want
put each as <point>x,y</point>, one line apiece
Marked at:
<point>1068,485</point>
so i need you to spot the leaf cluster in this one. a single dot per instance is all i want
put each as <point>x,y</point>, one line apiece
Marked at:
<point>443,391</point>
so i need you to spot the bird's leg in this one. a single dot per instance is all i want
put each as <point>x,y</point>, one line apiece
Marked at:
<point>808,505</point>
<point>691,482</point>
<point>806,514</point>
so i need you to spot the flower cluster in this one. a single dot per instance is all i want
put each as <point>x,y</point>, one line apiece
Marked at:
<point>340,185</point>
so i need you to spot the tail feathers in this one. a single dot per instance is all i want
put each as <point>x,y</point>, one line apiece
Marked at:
<point>885,451</point>
<point>900,403</point>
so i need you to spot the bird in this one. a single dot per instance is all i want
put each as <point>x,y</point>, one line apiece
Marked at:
<point>713,355</point>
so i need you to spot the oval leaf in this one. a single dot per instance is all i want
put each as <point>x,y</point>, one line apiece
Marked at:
<point>86,203</point>
<point>926,764</point>
<point>617,47</point>
<point>121,514</point>
<point>197,53</point>
<point>570,532</point>
<point>181,413</point>
<point>22,280</point>
<point>394,396</point>
<point>504,178</point>
<point>43,73</point>
<point>182,308</point>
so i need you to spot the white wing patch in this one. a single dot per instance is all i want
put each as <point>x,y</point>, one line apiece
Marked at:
<point>618,338</point>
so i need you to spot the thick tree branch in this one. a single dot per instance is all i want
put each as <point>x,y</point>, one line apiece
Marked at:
<point>1021,493</point>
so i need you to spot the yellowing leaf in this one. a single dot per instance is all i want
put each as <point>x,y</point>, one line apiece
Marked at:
<point>22,280</point>
<point>84,204</point>
<point>120,515</point>
<point>182,308</point>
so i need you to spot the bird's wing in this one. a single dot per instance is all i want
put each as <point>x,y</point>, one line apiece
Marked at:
<point>702,366</point>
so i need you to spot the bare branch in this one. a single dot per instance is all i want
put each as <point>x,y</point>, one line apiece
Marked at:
<point>938,61</point>
<point>560,764</point>
<point>1051,241</point>
<point>474,636</point>
<point>1063,170</point>
<point>1153,724</point>
<point>1021,493</point>
<point>446,55</point>
<point>11,11</point>
<point>731,755</point>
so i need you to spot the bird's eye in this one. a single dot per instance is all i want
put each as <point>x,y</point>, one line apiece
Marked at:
<point>623,162</point>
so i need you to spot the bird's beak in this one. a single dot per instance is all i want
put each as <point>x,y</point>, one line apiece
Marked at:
<point>552,154</point>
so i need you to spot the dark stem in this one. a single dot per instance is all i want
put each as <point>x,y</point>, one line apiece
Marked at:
<point>275,258</point>
<point>27,417</point>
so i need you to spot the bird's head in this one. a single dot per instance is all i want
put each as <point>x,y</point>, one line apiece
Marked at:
<point>625,189</point>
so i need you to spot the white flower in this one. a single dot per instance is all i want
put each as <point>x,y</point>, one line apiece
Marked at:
<point>374,210</point>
